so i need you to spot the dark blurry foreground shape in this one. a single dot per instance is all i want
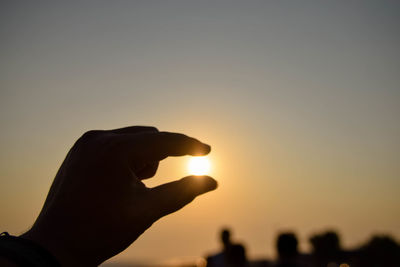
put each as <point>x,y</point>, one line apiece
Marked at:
<point>287,247</point>
<point>326,248</point>
<point>97,205</point>
<point>232,255</point>
<point>379,251</point>
<point>237,256</point>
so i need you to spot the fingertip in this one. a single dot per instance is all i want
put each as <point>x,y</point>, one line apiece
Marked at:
<point>203,149</point>
<point>211,182</point>
<point>202,183</point>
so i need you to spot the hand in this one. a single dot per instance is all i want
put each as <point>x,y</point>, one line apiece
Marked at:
<point>97,205</point>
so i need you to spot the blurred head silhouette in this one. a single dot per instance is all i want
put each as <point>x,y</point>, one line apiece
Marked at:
<point>326,244</point>
<point>287,245</point>
<point>226,237</point>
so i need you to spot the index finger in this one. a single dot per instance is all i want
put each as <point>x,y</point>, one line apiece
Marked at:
<point>156,146</point>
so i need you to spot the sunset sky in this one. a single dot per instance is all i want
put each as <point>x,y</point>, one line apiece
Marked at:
<point>300,101</point>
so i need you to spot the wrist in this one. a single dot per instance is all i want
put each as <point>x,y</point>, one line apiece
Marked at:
<point>24,252</point>
<point>56,246</point>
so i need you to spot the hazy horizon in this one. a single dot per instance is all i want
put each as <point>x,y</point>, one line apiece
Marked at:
<point>300,102</point>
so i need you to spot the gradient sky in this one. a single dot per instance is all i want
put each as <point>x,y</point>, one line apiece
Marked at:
<point>300,101</point>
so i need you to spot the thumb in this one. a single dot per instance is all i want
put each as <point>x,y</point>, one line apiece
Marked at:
<point>170,197</point>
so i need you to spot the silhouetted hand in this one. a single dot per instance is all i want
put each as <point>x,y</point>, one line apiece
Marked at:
<point>97,205</point>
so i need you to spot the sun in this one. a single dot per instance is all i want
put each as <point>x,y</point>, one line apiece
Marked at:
<point>199,165</point>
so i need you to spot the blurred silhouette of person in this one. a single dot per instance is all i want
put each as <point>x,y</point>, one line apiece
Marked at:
<point>380,251</point>
<point>220,259</point>
<point>231,254</point>
<point>326,248</point>
<point>98,205</point>
<point>237,256</point>
<point>287,248</point>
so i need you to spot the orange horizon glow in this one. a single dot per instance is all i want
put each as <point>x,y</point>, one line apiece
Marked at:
<point>299,101</point>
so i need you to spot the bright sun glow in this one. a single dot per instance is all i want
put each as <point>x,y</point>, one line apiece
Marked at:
<point>199,165</point>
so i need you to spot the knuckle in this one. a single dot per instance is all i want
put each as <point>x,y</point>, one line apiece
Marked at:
<point>153,128</point>
<point>89,135</point>
<point>87,139</point>
<point>146,128</point>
